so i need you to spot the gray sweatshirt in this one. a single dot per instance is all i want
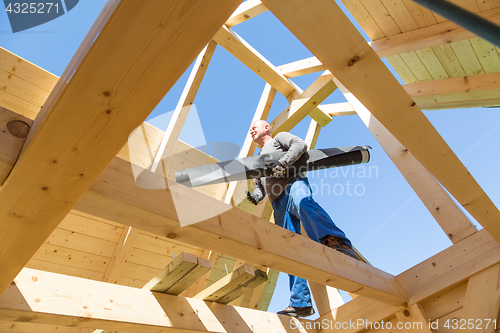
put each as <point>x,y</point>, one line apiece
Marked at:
<point>295,147</point>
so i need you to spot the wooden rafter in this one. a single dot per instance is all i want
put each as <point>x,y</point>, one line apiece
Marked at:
<point>47,298</point>
<point>246,11</point>
<point>361,71</point>
<point>67,146</point>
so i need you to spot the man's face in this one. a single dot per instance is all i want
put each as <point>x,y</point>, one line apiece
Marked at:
<point>258,130</point>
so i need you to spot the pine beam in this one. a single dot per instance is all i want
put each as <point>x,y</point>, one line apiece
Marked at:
<point>67,141</point>
<point>38,297</point>
<point>244,52</point>
<point>414,319</point>
<point>306,104</point>
<point>360,70</point>
<point>452,220</point>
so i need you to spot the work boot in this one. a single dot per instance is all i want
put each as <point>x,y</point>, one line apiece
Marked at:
<point>305,311</point>
<point>337,244</point>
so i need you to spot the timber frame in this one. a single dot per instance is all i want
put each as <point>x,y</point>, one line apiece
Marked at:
<point>122,240</point>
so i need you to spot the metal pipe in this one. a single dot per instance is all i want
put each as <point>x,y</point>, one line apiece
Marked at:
<point>470,21</point>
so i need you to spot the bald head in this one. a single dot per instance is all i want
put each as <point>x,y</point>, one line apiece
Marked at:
<point>260,131</point>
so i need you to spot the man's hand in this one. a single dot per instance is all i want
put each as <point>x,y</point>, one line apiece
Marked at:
<point>252,197</point>
<point>277,170</point>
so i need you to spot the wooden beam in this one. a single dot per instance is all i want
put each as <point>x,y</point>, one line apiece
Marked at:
<point>361,71</point>
<point>183,107</point>
<point>355,316</point>
<point>116,197</point>
<point>482,300</point>
<point>244,52</point>
<point>179,274</point>
<point>120,255</point>
<point>450,267</point>
<point>38,297</point>
<point>67,145</point>
<point>233,285</point>
<point>452,220</point>
<point>246,11</point>
<point>306,104</point>
<point>433,35</point>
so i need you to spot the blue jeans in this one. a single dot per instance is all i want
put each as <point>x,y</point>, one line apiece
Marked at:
<point>294,205</point>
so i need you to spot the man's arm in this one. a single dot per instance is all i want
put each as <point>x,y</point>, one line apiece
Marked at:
<point>293,145</point>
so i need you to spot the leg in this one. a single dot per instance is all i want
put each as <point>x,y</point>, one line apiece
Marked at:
<point>315,219</point>
<point>300,295</point>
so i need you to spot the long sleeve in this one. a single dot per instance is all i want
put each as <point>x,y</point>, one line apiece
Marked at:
<point>293,145</point>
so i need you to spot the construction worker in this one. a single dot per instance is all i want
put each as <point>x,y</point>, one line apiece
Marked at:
<point>293,203</point>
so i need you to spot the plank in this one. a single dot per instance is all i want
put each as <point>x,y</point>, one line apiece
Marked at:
<point>162,245</point>
<point>400,14</point>
<point>18,105</point>
<point>305,104</point>
<point>20,327</point>
<point>470,99</point>
<point>402,69</point>
<point>81,242</point>
<point>72,258</point>
<point>467,57</point>
<point>432,63</point>
<point>452,220</point>
<point>450,267</point>
<point>382,17</point>
<point>449,60</point>
<point>120,254</point>
<point>487,55</point>
<point>364,19</point>
<point>228,230</point>
<point>482,299</point>
<point>246,11</point>
<point>177,276</point>
<point>376,88</point>
<point>91,227</point>
<point>41,197</point>
<point>66,270</point>
<point>485,5</point>
<point>26,70</point>
<point>245,53</point>
<point>422,16</point>
<point>233,285</point>
<point>416,65</point>
<point>23,89</point>
<point>183,107</point>
<point>81,303</point>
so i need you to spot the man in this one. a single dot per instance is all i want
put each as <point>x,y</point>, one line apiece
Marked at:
<point>293,203</point>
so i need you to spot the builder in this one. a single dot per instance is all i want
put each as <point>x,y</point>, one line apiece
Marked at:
<point>292,202</point>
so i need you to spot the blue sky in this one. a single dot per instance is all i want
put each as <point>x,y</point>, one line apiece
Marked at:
<point>387,222</point>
